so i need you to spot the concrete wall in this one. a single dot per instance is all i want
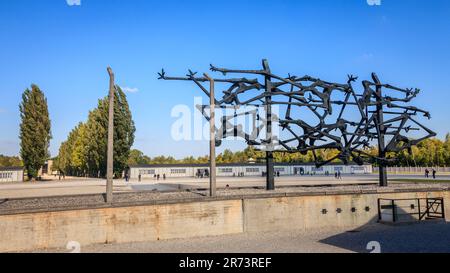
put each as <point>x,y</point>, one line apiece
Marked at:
<point>306,212</point>
<point>116,225</point>
<point>24,232</point>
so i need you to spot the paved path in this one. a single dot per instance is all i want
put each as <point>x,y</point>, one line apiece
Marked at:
<point>96,186</point>
<point>423,238</point>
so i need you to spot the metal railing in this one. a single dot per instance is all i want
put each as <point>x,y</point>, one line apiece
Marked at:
<point>407,210</point>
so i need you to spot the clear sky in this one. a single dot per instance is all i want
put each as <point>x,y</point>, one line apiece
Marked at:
<point>66,49</point>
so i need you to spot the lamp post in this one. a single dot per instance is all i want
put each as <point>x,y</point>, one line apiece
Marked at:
<point>110,153</point>
<point>212,140</point>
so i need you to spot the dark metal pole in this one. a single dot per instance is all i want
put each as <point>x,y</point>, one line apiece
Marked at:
<point>382,128</point>
<point>379,209</point>
<point>270,176</point>
<point>110,153</point>
<point>212,141</point>
<point>394,212</point>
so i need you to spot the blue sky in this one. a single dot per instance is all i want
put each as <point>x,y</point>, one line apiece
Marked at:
<point>66,49</point>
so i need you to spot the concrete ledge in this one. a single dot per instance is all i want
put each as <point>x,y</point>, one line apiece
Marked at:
<point>116,225</point>
<point>94,201</point>
<point>160,219</point>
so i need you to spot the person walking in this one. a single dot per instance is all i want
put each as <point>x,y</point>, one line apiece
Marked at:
<point>427,173</point>
<point>164,176</point>
<point>434,173</point>
<point>139,177</point>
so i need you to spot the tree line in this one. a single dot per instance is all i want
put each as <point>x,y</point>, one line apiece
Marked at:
<point>430,152</point>
<point>10,161</point>
<point>84,153</point>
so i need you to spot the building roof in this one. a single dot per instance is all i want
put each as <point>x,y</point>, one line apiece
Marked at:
<point>11,168</point>
<point>229,165</point>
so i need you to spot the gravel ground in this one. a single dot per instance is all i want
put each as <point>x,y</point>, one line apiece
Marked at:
<point>8,206</point>
<point>430,237</point>
<point>87,201</point>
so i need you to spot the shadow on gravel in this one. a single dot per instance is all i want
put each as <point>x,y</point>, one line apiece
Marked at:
<point>417,237</point>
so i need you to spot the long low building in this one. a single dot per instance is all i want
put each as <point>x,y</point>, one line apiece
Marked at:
<point>244,169</point>
<point>11,174</point>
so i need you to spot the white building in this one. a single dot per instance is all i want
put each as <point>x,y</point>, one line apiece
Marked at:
<point>247,169</point>
<point>11,174</point>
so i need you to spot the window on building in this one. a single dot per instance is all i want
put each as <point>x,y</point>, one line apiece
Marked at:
<point>6,175</point>
<point>144,172</point>
<point>279,170</point>
<point>178,171</point>
<point>314,169</point>
<point>252,170</point>
<point>225,170</point>
<point>338,169</point>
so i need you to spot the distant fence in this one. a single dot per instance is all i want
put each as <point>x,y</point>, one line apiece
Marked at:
<point>421,170</point>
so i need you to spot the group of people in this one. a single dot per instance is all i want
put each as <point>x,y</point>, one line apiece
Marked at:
<point>156,177</point>
<point>427,173</point>
<point>202,174</point>
<point>338,175</point>
<point>277,174</point>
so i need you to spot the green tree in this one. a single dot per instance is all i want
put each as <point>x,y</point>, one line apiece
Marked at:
<point>124,130</point>
<point>35,132</point>
<point>84,152</point>
<point>10,161</point>
<point>137,157</point>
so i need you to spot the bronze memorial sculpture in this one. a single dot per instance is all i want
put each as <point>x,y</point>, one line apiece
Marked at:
<point>339,118</point>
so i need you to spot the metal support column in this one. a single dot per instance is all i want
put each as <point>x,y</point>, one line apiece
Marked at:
<point>382,131</point>
<point>270,175</point>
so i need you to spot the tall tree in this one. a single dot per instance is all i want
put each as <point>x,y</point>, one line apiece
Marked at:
<point>84,152</point>
<point>35,132</point>
<point>124,130</point>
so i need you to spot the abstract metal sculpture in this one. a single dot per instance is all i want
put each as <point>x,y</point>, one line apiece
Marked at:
<point>340,119</point>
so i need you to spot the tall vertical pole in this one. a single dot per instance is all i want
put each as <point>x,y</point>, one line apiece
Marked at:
<point>270,176</point>
<point>110,153</point>
<point>212,140</point>
<point>382,131</point>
